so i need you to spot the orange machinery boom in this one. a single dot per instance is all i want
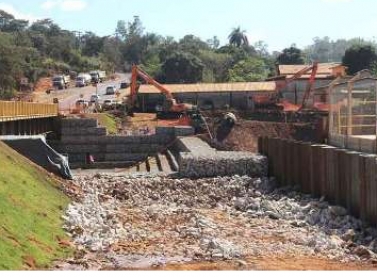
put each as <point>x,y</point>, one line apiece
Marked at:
<point>173,106</point>
<point>314,69</point>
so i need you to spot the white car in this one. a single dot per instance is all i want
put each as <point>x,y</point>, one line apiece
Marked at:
<point>95,98</point>
<point>111,90</point>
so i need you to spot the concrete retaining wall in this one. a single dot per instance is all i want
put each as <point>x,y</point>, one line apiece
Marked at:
<point>79,137</point>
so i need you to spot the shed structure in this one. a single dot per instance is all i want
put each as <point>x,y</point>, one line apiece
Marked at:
<point>209,96</point>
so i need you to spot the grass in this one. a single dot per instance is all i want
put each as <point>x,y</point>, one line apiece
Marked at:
<point>31,206</point>
<point>106,120</point>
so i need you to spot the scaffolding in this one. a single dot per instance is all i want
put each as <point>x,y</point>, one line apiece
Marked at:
<point>352,114</point>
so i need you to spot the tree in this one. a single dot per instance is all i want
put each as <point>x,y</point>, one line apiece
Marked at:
<point>359,57</point>
<point>249,70</point>
<point>216,66</point>
<point>192,44</point>
<point>238,38</point>
<point>214,43</point>
<point>291,55</point>
<point>182,67</point>
<point>261,48</point>
<point>92,44</point>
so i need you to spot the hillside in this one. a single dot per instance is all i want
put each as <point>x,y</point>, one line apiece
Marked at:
<point>30,214</point>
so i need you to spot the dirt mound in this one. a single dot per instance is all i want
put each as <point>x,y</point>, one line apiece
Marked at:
<point>43,84</point>
<point>244,136</point>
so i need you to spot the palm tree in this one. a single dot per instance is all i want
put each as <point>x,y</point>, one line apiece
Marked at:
<point>238,37</point>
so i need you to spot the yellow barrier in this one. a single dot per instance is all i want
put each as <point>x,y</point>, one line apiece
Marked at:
<point>10,110</point>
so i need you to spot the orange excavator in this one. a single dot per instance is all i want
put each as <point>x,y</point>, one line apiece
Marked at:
<point>188,114</point>
<point>170,105</point>
<point>309,87</point>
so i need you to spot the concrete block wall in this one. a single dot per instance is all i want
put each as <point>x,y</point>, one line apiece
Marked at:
<point>196,159</point>
<point>78,137</point>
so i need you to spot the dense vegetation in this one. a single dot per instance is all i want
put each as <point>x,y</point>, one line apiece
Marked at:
<point>42,48</point>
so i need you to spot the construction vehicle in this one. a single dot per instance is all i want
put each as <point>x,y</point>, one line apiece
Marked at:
<point>275,101</point>
<point>280,85</point>
<point>98,76</point>
<point>225,127</point>
<point>188,114</point>
<point>170,108</point>
<point>61,81</point>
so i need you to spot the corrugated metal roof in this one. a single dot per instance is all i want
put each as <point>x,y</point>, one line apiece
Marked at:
<point>213,88</point>
<point>323,68</point>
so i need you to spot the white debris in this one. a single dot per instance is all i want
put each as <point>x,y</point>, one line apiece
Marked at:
<point>216,218</point>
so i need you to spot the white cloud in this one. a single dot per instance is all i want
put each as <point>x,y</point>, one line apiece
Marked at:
<point>73,5</point>
<point>48,5</point>
<point>65,5</point>
<point>16,13</point>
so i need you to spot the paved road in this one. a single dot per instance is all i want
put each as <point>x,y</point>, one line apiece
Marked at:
<point>68,97</point>
<point>75,93</point>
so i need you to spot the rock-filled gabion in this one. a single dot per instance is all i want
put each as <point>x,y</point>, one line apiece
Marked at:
<point>124,219</point>
<point>221,164</point>
<point>197,159</point>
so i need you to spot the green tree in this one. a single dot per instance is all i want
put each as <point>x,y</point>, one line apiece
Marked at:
<point>238,37</point>
<point>182,67</point>
<point>249,70</point>
<point>359,57</point>
<point>92,44</point>
<point>192,44</point>
<point>291,55</point>
<point>216,66</point>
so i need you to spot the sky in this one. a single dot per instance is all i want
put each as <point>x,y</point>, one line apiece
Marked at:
<point>279,23</point>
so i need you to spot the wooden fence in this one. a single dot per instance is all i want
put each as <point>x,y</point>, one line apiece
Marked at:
<point>346,178</point>
<point>10,110</point>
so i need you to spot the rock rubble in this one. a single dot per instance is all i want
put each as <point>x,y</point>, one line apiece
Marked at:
<point>125,221</point>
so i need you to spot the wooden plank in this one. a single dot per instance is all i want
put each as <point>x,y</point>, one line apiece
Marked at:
<point>260,145</point>
<point>315,186</point>
<point>341,176</point>
<point>363,197</point>
<point>296,162</point>
<point>283,151</point>
<point>270,151</point>
<point>305,167</point>
<point>355,180</point>
<point>332,171</point>
<point>289,163</point>
<point>280,161</point>
<point>371,189</point>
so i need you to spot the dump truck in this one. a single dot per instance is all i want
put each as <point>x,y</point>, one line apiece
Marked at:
<point>61,81</point>
<point>98,76</point>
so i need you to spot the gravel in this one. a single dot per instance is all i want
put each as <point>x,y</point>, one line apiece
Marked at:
<point>123,222</point>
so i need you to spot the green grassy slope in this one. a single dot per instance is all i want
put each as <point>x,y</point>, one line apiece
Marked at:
<point>31,206</point>
<point>105,120</point>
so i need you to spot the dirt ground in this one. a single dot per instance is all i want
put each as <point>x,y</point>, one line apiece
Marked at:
<point>271,263</point>
<point>244,136</point>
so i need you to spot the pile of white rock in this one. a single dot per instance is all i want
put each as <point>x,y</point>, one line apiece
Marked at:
<point>223,217</point>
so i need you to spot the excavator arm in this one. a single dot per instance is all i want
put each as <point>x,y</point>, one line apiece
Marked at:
<point>173,106</point>
<point>314,69</point>
<point>309,86</point>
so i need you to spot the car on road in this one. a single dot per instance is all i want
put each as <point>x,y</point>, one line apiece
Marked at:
<point>109,103</point>
<point>95,98</point>
<point>83,79</point>
<point>124,85</point>
<point>80,82</point>
<point>111,90</point>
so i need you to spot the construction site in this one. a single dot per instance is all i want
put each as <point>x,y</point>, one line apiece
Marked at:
<point>270,175</point>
